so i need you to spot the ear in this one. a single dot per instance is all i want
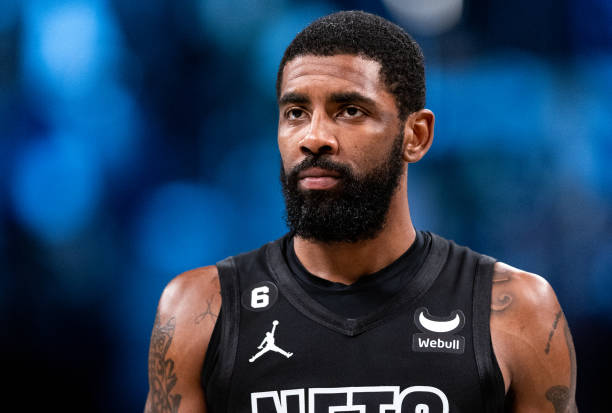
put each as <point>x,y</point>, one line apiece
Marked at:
<point>418,134</point>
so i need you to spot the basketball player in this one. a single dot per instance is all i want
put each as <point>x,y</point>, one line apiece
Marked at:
<point>354,310</point>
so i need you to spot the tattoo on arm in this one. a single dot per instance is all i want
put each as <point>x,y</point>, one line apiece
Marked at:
<point>502,299</point>
<point>559,397</point>
<point>552,331</point>
<point>563,398</point>
<point>162,377</point>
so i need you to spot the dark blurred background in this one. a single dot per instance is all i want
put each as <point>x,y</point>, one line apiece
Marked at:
<point>138,140</point>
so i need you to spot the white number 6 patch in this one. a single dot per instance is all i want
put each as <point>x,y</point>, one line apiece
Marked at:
<point>260,296</point>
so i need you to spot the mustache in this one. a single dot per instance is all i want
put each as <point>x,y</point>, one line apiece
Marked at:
<point>319,162</point>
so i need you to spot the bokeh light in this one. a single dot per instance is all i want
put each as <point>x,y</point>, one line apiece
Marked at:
<point>56,187</point>
<point>275,37</point>
<point>182,226</point>
<point>523,85</point>
<point>426,17</point>
<point>251,174</point>
<point>232,23</point>
<point>68,46</point>
<point>108,121</point>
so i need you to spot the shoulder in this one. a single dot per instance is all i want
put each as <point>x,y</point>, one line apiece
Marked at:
<point>530,335</point>
<point>523,308</point>
<point>190,289</point>
<point>516,292</point>
<point>188,309</point>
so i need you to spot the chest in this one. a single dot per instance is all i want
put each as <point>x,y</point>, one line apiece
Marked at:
<point>427,349</point>
<point>416,357</point>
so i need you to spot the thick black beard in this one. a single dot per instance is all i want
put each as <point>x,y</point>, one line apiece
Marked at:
<point>356,210</point>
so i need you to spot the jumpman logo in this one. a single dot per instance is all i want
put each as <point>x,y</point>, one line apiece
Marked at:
<point>268,345</point>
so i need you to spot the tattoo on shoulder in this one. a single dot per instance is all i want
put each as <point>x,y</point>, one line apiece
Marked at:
<point>162,377</point>
<point>552,331</point>
<point>207,313</point>
<point>501,300</point>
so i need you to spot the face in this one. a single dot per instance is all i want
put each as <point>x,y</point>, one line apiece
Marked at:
<point>341,142</point>
<point>335,104</point>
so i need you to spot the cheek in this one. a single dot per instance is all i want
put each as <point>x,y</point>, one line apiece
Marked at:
<point>282,147</point>
<point>369,149</point>
<point>286,152</point>
<point>288,140</point>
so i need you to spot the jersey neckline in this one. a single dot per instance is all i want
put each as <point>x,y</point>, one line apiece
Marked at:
<point>412,290</point>
<point>407,264</point>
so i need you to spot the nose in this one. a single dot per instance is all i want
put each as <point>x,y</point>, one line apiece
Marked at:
<point>320,138</point>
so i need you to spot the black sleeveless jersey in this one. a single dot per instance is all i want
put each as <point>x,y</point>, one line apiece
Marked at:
<point>427,350</point>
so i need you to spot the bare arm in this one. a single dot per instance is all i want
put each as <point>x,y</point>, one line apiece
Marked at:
<point>186,315</point>
<point>532,342</point>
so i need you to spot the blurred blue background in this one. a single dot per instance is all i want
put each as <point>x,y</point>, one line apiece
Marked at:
<point>138,140</point>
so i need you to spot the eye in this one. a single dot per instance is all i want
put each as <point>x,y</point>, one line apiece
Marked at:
<point>351,112</point>
<point>295,113</point>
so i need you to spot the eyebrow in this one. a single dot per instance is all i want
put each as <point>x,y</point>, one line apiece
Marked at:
<point>352,97</point>
<point>338,97</point>
<point>293,97</point>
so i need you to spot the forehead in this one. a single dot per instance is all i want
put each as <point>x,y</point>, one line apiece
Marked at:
<point>339,72</point>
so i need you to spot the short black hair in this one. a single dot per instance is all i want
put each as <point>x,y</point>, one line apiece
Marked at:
<point>372,37</point>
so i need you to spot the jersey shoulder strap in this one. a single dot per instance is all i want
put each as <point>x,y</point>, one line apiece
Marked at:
<point>220,364</point>
<point>491,379</point>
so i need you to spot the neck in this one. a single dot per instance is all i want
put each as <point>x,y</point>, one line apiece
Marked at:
<point>347,262</point>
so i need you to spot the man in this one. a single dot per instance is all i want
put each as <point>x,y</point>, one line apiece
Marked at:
<point>357,310</point>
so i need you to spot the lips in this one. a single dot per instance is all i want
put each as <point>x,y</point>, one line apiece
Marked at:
<point>318,178</point>
<point>317,173</point>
